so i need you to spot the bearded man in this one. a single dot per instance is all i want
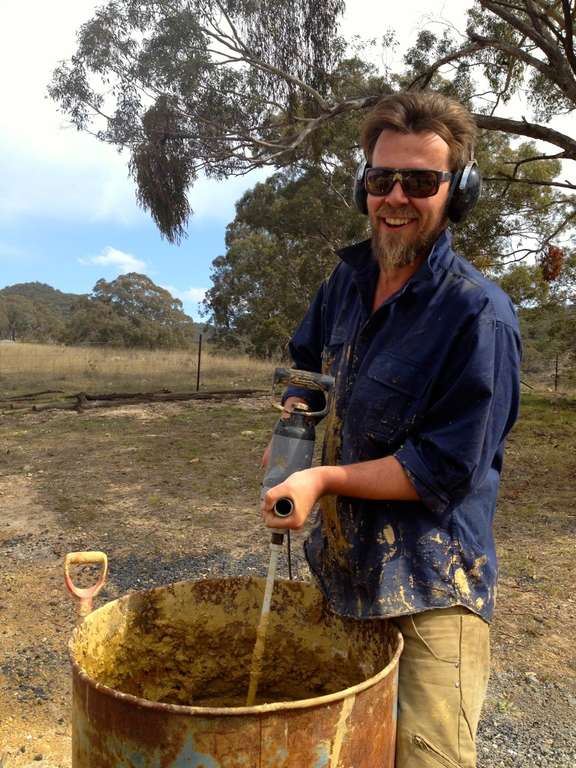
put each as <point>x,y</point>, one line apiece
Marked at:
<point>425,353</point>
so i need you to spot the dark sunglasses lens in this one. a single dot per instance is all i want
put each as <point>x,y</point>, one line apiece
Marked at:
<point>378,182</point>
<point>420,184</point>
<point>414,183</point>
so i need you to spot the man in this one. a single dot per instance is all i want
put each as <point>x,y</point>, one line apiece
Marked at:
<point>425,352</point>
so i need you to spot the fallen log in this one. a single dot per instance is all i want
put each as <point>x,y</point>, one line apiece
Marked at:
<point>172,397</point>
<point>166,394</point>
<point>85,402</point>
<point>31,395</point>
<point>60,405</point>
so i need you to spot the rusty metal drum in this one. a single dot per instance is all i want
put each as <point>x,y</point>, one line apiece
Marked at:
<point>160,680</point>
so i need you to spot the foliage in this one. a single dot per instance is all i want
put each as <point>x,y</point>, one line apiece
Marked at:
<point>197,85</point>
<point>282,243</point>
<point>34,311</point>
<point>280,247</point>
<point>21,318</point>
<point>547,312</point>
<point>129,311</point>
<point>40,293</point>
<point>224,86</point>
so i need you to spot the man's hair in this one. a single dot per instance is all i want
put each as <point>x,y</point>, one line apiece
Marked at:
<point>419,112</point>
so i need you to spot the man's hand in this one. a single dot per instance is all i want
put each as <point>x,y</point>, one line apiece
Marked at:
<point>382,479</point>
<point>304,488</point>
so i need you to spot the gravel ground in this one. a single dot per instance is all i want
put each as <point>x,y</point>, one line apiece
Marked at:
<point>540,733</point>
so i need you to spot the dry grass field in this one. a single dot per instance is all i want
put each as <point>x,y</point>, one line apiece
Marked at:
<point>35,367</point>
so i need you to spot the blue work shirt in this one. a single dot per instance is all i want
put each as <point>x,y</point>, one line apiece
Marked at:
<point>432,378</point>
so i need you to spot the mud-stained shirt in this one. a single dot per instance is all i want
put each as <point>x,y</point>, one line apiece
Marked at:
<point>432,378</point>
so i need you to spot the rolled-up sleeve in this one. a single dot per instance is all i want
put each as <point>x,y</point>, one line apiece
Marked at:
<point>472,408</point>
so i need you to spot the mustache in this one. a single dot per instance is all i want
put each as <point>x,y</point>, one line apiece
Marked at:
<point>405,211</point>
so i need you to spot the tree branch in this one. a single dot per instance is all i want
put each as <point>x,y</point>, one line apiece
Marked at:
<point>560,73</point>
<point>532,130</point>
<point>518,163</point>
<point>549,11</point>
<point>510,179</point>
<point>552,73</point>
<point>500,10</point>
<point>350,105</point>
<point>569,34</point>
<point>264,66</point>
<point>507,82</point>
<point>231,25</point>
<point>426,76</point>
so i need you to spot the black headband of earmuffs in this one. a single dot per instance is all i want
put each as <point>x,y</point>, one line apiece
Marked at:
<point>463,195</point>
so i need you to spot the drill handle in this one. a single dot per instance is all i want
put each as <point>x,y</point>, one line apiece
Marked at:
<point>315,382</point>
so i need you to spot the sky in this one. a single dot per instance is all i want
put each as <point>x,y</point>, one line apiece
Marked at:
<point>68,213</point>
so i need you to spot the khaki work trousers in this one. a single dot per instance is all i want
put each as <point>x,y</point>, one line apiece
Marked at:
<point>443,678</point>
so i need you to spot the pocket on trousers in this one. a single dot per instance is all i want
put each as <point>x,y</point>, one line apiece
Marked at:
<point>435,754</point>
<point>436,636</point>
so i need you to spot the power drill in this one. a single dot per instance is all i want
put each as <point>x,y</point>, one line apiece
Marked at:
<point>291,449</point>
<point>293,438</point>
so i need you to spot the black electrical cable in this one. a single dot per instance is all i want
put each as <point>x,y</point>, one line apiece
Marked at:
<point>289,553</point>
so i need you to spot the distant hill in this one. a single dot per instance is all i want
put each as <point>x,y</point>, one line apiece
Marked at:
<point>130,311</point>
<point>42,294</point>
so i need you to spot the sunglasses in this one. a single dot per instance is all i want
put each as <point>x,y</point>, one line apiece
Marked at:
<point>414,182</point>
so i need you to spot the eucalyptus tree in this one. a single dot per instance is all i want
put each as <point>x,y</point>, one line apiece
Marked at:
<point>283,241</point>
<point>132,311</point>
<point>224,86</point>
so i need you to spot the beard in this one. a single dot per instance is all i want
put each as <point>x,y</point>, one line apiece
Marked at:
<point>393,251</point>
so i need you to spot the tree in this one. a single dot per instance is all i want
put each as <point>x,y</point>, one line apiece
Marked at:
<point>280,247</point>
<point>547,312</point>
<point>225,86</point>
<point>130,311</point>
<point>18,316</point>
<point>282,243</point>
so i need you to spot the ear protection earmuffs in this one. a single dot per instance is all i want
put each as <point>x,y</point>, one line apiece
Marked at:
<point>463,195</point>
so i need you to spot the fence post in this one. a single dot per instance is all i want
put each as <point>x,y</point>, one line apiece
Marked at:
<point>556,374</point>
<point>199,363</point>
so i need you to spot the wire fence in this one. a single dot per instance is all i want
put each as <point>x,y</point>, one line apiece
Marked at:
<point>108,368</point>
<point>553,372</point>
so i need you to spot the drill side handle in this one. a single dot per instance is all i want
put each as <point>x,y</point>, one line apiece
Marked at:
<point>316,382</point>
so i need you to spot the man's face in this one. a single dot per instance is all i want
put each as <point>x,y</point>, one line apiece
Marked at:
<point>404,228</point>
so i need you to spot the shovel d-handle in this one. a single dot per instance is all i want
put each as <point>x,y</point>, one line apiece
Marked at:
<point>85,594</point>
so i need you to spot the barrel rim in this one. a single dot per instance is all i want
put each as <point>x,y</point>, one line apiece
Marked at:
<point>257,709</point>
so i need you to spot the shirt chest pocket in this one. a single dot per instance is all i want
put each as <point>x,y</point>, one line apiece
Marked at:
<point>392,394</point>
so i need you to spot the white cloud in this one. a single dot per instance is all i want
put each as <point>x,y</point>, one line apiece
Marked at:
<point>195,294</point>
<point>120,261</point>
<point>190,298</point>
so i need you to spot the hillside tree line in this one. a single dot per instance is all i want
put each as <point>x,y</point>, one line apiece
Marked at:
<point>129,311</point>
